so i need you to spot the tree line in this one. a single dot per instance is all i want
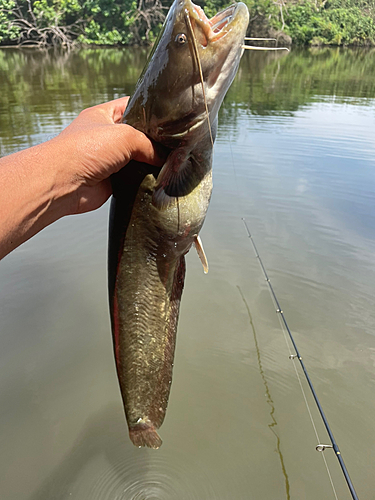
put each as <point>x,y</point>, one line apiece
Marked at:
<point>136,22</point>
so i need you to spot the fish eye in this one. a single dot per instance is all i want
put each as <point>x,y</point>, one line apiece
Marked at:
<point>181,38</point>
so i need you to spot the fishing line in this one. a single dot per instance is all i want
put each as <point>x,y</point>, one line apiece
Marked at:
<point>285,329</point>
<point>297,355</point>
<point>297,374</point>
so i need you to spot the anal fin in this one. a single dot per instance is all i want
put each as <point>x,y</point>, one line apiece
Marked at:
<point>200,251</point>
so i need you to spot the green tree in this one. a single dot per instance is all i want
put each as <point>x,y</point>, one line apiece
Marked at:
<point>119,22</point>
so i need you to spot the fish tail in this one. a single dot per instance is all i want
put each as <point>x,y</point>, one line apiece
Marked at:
<point>144,434</point>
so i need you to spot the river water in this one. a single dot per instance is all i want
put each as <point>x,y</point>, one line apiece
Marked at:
<point>295,157</point>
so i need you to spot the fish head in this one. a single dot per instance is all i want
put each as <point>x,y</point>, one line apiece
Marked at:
<point>190,69</point>
<point>219,45</point>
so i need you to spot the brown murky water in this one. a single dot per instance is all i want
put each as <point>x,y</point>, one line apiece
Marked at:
<point>295,156</point>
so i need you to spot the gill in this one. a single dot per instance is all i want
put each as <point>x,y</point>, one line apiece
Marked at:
<point>196,53</point>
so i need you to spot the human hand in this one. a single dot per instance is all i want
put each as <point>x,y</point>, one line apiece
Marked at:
<point>98,145</point>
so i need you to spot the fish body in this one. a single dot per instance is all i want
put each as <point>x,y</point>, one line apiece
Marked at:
<point>156,215</point>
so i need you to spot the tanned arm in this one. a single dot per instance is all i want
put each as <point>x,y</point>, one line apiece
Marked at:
<point>68,174</point>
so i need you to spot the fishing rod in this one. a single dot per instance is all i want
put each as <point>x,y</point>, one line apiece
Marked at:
<point>319,447</point>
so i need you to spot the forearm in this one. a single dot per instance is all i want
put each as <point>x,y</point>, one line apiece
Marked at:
<point>33,193</point>
<point>68,174</point>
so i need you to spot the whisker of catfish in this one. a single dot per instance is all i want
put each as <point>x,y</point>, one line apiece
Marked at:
<point>187,18</point>
<point>252,47</point>
<point>252,38</point>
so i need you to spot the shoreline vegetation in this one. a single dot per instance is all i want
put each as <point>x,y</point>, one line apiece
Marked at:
<point>69,23</point>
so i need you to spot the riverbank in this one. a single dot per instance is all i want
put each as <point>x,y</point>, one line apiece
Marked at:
<point>125,23</point>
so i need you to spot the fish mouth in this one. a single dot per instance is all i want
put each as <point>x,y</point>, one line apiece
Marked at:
<point>207,30</point>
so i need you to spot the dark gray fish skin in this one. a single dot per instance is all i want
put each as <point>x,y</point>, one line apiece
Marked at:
<point>156,215</point>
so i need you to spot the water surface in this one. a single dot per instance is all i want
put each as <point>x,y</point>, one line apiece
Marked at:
<point>295,156</point>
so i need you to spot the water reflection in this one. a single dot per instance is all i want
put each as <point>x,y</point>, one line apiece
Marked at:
<point>283,83</point>
<point>295,155</point>
<point>273,424</point>
<point>38,85</point>
<point>42,91</point>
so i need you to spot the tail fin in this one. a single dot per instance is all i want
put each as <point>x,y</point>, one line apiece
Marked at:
<point>144,434</point>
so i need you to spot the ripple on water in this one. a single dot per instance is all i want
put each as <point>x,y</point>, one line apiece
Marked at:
<point>152,477</point>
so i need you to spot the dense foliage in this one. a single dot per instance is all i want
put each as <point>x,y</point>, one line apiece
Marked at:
<point>118,22</point>
<point>334,22</point>
<point>65,22</point>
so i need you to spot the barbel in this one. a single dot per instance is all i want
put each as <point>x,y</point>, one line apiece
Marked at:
<point>254,47</point>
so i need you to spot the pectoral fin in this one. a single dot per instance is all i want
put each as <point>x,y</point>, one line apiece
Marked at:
<point>177,178</point>
<point>199,248</point>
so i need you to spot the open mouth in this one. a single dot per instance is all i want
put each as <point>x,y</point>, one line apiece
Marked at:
<point>222,18</point>
<point>211,30</point>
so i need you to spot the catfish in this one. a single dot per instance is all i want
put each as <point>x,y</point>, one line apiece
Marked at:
<point>156,214</point>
